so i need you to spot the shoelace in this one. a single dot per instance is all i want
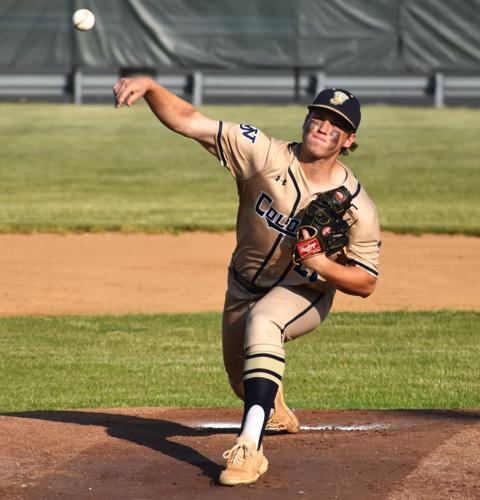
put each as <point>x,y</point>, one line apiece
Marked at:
<point>235,456</point>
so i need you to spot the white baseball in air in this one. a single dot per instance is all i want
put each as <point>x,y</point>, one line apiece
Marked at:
<point>83,19</point>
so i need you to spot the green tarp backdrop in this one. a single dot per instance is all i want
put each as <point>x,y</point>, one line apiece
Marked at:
<point>342,36</point>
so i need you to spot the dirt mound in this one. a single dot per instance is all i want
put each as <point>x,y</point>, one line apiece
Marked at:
<point>176,453</point>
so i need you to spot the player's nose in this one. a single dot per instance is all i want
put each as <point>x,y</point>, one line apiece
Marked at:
<point>324,126</point>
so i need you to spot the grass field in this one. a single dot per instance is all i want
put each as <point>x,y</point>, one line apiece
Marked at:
<point>93,168</point>
<point>385,360</point>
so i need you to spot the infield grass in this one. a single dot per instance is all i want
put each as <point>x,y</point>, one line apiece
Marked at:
<point>93,168</point>
<point>355,360</point>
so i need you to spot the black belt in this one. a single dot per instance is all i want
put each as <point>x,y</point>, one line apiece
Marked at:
<point>249,287</point>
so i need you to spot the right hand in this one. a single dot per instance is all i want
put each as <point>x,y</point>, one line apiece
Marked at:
<point>129,90</point>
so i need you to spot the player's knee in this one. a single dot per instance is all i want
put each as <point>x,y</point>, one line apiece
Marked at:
<point>262,326</point>
<point>263,335</point>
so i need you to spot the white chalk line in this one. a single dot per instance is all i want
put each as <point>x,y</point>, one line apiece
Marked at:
<point>326,427</point>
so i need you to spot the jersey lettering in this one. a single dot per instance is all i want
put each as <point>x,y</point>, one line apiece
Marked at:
<point>305,273</point>
<point>249,132</point>
<point>275,219</point>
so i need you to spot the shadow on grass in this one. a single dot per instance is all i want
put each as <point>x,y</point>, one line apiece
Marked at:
<point>152,433</point>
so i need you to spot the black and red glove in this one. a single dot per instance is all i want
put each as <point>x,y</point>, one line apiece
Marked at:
<point>324,223</point>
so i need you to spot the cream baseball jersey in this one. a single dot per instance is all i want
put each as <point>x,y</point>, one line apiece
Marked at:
<point>273,191</point>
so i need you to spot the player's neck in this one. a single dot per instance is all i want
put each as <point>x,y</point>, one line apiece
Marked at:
<point>323,174</point>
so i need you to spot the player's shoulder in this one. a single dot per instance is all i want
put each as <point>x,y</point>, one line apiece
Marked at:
<point>358,191</point>
<point>282,148</point>
<point>249,133</point>
<point>249,141</point>
<point>363,207</point>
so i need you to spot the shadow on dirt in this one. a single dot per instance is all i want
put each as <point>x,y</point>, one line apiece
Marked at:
<point>153,433</point>
<point>442,414</point>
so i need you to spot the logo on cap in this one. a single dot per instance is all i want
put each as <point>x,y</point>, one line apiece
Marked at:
<point>339,98</point>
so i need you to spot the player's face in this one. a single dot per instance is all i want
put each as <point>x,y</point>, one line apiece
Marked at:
<point>325,133</point>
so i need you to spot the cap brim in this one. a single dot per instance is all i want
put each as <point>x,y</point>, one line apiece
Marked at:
<point>335,111</point>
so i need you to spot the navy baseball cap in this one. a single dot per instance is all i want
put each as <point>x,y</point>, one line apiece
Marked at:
<point>340,101</point>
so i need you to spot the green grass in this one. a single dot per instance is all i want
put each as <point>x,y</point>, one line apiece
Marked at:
<point>93,168</point>
<point>355,360</point>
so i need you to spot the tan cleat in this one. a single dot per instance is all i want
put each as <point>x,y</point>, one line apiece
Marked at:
<point>245,464</point>
<point>283,419</point>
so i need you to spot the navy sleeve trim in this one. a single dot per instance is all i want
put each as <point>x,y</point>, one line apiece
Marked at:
<point>368,269</point>
<point>219,144</point>
<point>359,187</point>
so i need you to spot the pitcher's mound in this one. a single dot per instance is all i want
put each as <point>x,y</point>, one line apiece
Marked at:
<point>177,453</point>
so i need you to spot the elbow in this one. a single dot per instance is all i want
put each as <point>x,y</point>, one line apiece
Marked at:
<point>367,287</point>
<point>368,290</point>
<point>364,291</point>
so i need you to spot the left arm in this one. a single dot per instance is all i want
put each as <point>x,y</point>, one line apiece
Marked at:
<point>360,241</point>
<point>348,279</point>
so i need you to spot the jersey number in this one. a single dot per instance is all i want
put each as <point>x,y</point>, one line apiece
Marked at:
<point>305,273</point>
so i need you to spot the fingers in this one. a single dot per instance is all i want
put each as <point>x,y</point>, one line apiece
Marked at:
<point>126,91</point>
<point>122,90</point>
<point>304,233</point>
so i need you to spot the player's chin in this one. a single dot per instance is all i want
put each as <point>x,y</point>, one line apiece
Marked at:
<point>319,149</point>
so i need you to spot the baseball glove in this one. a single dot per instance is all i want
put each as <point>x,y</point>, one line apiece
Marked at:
<point>323,220</point>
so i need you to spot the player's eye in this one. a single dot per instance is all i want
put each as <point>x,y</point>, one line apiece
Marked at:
<point>320,115</point>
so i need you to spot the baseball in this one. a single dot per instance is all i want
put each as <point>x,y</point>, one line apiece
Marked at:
<point>83,19</point>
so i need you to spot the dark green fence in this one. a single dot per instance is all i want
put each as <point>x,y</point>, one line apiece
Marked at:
<point>334,36</point>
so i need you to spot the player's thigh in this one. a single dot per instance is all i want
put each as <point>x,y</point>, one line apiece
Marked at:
<point>313,309</point>
<point>285,313</point>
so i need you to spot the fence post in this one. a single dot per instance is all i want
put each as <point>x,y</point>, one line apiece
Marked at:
<point>77,86</point>
<point>320,82</point>
<point>439,90</point>
<point>197,91</point>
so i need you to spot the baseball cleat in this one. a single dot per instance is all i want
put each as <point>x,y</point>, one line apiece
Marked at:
<point>283,419</point>
<point>245,464</point>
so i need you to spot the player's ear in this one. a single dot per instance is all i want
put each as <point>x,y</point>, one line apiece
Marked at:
<point>350,140</point>
<point>305,121</point>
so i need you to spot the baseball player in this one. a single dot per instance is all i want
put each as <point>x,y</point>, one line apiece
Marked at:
<point>282,277</point>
